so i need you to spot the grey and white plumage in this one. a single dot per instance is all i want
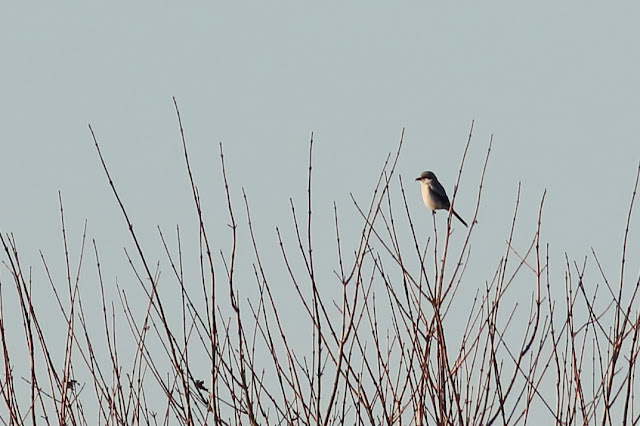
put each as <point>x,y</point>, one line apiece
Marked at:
<point>434,195</point>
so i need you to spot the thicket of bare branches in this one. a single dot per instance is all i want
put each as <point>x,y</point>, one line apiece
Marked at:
<point>383,352</point>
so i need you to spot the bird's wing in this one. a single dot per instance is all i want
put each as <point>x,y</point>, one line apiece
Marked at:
<point>439,192</point>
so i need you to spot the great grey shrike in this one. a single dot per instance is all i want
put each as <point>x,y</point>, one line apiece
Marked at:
<point>434,195</point>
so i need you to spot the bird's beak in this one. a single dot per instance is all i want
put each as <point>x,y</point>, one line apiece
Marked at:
<point>417,178</point>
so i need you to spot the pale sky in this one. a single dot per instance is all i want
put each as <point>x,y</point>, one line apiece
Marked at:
<point>556,83</point>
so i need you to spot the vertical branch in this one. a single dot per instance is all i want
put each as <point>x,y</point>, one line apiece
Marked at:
<point>242,362</point>
<point>7,386</point>
<point>634,352</point>
<point>152,279</point>
<point>70,325</point>
<point>538,279</point>
<point>316,309</point>
<point>453,197</point>
<point>211,304</point>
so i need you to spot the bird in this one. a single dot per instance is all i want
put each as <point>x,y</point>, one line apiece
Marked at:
<point>434,195</point>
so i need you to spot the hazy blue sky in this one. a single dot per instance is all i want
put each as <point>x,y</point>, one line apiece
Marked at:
<point>557,83</point>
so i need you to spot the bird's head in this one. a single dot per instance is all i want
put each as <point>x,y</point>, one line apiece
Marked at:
<point>426,177</point>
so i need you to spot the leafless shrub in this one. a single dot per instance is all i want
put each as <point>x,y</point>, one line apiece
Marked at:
<point>382,352</point>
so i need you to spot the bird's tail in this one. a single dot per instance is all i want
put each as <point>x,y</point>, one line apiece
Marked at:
<point>459,218</point>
